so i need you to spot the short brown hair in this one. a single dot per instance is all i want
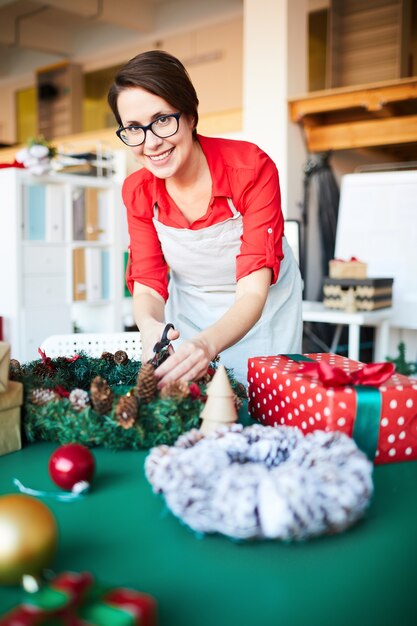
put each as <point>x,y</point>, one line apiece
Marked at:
<point>159,73</point>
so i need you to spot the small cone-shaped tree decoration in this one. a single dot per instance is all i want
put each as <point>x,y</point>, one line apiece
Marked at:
<point>220,407</point>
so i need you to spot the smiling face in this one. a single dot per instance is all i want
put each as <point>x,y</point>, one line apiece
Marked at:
<point>165,158</point>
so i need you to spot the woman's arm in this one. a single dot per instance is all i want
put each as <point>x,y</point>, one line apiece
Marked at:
<point>148,308</point>
<point>192,358</point>
<point>146,272</point>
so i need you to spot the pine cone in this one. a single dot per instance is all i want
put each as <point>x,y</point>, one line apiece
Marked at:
<point>146,384</point>
<point>176,389</point>
<point>42,370</point>
<point>43,396</point>
<point>126,411</point>
<point>208,376</point>
<point>101,396</point>
<point>79,399</point>
<point>120,357</point>
<point>238,402</point>
<point>108,356</point>
<point>61,361</point>
<point>241,391</point>
<point>14,369</point>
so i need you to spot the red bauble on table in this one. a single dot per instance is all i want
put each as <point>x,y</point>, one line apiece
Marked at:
<point>70,464</point>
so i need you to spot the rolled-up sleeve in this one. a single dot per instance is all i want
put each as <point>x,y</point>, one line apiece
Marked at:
<point>146,262</point>
<point>263,223</point>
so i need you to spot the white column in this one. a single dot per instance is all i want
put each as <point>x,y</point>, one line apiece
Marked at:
<point>275,69</point>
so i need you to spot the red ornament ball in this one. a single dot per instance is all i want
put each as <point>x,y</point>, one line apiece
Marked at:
<point>71,464</point>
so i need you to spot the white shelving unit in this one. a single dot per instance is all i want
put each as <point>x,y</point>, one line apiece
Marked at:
<point>41,233</point>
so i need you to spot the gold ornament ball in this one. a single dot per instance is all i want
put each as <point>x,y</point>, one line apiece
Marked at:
<point>28,537</point>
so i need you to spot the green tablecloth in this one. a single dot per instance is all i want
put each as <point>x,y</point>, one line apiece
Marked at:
<point>123,534</point>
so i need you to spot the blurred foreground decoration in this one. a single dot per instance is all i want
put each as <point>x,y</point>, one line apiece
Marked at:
<point>28,538</point>
<point>37,156</point>
<point>76,598</point>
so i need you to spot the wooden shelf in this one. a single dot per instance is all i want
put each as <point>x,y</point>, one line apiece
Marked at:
<point>368,41</point>
<point>373,115</point>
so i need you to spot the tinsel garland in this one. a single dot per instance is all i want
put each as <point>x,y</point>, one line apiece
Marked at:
<point>159,421</point>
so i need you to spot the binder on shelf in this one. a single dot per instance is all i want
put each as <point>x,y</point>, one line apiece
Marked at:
<point>105,274</point>
<point>127,293</point>
<point>44,213</point>
<point>78,272</point>
<point>78,215</point>
<point>103,215</point>
<point>96,214</point>
<point>34,213</point>
<point>93,278</point>
<point>91,214</point>
<point>54,213</point>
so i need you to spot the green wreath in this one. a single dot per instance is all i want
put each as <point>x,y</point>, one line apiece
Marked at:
<point>105,402</point>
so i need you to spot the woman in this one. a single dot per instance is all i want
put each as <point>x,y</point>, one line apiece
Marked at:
<point>209,210</point>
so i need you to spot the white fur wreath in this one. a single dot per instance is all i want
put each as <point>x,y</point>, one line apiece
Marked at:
<point>263,481</point>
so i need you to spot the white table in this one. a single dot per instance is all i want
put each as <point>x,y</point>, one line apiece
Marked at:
<point>380,320</point>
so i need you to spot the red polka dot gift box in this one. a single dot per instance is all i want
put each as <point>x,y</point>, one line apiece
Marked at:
<point>370,403</point>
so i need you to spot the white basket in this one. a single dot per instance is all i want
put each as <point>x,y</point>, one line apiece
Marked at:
<point>93,344</point>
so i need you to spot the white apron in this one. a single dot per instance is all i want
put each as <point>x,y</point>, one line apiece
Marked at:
<point>202,287</point>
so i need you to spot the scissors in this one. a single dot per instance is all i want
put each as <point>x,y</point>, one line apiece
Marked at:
<point>161,347</point>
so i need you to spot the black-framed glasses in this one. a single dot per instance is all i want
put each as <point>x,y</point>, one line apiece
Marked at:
<point>163,126</point>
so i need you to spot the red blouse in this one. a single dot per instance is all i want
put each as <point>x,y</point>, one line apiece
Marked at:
<point>240,171</point>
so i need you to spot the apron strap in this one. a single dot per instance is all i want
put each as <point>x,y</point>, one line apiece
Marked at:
<point>232,207</point>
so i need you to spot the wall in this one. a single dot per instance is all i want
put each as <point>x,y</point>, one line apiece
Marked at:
<point>213,56</point>
<point>8,90</point>
<point>275,69</point>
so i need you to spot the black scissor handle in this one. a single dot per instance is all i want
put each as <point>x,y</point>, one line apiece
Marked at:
<point>164,342</point>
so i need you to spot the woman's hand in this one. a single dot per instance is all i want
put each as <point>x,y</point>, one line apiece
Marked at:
<point>149,311</point>
<point>189,362</point>
<point>150,334</point>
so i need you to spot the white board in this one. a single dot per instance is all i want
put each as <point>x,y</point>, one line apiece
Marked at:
<point>378,225</point>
